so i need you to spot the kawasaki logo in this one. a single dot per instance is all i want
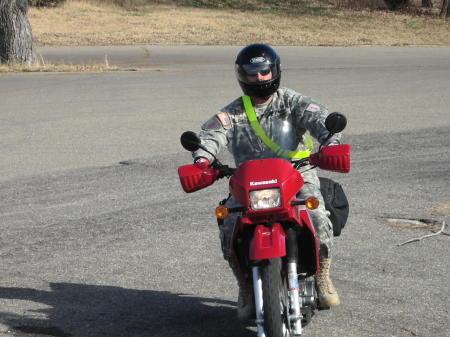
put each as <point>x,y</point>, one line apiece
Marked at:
<point>267,182</point>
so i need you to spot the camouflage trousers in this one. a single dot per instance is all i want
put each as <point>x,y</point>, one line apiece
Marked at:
<point>321,222</point>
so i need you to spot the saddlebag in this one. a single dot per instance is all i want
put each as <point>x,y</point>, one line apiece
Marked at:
<point>335,202</point>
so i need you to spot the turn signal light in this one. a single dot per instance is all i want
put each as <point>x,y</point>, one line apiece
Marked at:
<point>222,212</point>
<point>311,203</point>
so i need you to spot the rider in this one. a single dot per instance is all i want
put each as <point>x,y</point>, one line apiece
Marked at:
<point>280,111</point>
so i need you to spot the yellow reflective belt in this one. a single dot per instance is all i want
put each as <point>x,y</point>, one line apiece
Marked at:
<point>266,140</point>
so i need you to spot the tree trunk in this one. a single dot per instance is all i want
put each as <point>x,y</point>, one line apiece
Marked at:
<point>445,11</point>
<point>427,3</point>
<point>16,40</point>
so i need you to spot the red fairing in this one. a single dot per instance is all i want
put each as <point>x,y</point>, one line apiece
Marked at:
<point>194,177</point>
<point>263,174</point>
<point>268,243</point>
<point>332,158</point>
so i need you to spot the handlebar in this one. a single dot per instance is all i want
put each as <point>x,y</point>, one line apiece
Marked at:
<point>224,170</point>
<point>300,163</point>
<point>331,158</point>
<point>227,171</point>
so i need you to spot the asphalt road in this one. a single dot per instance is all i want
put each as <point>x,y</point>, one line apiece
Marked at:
<point>97,238</point>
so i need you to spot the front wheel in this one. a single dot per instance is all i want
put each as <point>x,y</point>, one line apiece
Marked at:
<point>275,300</point>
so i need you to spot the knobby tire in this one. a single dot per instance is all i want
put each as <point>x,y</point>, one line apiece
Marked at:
<point>274,291</point>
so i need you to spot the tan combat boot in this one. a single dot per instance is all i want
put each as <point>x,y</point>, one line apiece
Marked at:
<point>326,291</point>
<point>245,306</point>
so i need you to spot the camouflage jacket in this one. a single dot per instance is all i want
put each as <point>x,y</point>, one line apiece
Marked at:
<point>285,119</point>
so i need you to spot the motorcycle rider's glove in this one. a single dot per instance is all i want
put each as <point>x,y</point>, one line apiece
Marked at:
<point>332,158</point>
<point>201,161</point>
<point>196,176</point>
<point>333,143</point>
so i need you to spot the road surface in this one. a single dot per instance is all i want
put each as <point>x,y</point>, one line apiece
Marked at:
<point>97,238</point>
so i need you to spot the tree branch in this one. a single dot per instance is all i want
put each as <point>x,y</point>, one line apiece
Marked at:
<point>441,231</point>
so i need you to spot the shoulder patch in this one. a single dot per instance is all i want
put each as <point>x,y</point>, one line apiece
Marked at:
<point>313,108</point>
<point>224,119</point>
<point>212,124</point>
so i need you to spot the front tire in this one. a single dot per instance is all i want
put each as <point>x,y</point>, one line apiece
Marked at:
<point>275,300</point>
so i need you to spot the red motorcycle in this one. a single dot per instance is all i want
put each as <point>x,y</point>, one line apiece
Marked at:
<point>273,239</point>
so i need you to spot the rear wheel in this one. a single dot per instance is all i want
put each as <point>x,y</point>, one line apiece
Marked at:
<point>275,300</point>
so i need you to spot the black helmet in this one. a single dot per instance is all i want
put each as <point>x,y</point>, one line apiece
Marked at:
<point>258,58</point>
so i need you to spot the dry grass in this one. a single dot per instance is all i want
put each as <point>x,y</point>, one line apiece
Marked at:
<point>86,22</point>
<point>40,67</point>
<point>441,209</point>
<point>413,224</point>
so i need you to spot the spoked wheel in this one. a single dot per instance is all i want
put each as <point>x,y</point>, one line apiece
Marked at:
<point>275,300</point>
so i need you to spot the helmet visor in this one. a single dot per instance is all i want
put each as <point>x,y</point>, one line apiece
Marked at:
<point>247,72</point>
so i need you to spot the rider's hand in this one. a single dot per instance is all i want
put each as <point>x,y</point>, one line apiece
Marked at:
<point>201,162</point>
<point>333,143</point>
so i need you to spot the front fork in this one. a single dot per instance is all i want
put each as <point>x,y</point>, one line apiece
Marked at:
<point>257,290</point>
<point>294,313</point>
<point>295,316</point>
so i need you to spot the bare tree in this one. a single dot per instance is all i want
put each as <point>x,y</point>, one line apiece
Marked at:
<point>427,3</point>
<point>16,40</point>
<point>445,10</point>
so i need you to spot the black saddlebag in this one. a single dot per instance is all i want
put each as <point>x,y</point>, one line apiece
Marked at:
<point>335,202</point>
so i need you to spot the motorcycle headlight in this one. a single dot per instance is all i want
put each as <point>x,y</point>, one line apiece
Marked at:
<point>263,199</point>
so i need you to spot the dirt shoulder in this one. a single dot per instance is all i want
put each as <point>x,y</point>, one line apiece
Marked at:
<point>79,23</point>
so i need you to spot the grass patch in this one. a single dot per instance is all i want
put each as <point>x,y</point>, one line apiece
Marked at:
<point>90,22</point>
<point>42,68</point>
<point>441,209</point>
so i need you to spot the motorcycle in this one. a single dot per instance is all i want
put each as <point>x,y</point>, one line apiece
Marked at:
<point>274,240</point>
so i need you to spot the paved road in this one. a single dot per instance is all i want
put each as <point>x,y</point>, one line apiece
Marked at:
<point>91,247</point>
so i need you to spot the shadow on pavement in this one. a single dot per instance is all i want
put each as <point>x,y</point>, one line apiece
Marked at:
<point>90,310</point>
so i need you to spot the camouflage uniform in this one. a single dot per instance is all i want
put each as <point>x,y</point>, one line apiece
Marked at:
<point>230,127</point>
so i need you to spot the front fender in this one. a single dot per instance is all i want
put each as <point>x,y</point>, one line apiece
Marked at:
<point>268,243</point>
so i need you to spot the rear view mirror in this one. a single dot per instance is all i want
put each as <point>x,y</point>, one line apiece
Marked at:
<point>190,141</point>
<point>335,122</point>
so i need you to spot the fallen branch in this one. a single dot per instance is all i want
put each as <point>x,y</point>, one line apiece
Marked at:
<point>410,331</point>
<point>441,231</point>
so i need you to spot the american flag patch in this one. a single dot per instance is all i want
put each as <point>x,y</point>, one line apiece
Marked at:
<point>224,119</point>
<point>313,108</point>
